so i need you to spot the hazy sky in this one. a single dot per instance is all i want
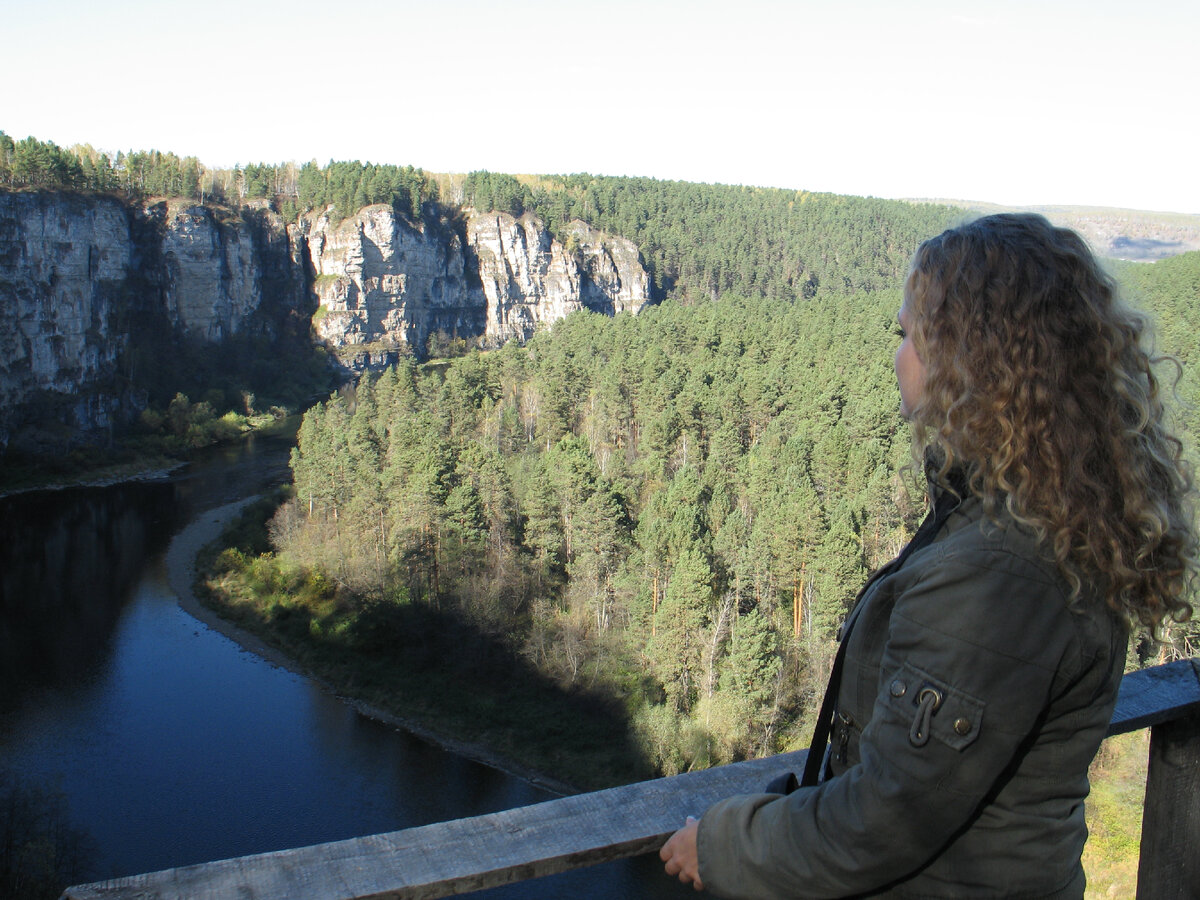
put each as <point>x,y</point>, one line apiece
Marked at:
<point>1021,102</point>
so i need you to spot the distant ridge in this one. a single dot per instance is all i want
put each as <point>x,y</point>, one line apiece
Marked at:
<point>1131,234</point>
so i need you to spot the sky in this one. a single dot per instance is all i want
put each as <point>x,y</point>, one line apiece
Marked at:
<point>1016,102</point>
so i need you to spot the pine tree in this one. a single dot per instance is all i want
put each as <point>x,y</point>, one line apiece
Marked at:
<point>681,625</point>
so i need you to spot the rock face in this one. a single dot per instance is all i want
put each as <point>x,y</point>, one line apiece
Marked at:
<point>82,276</point>
<point>382,279</point>
<point>379,278</point>
<point>529,279</point>
<point>211,282</point>
<point>79,275</point>
<point>63,266</point>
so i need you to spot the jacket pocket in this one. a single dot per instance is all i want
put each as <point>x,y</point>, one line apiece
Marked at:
<point>933,709</point>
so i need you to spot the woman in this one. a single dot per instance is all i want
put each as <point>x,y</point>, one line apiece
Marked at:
<point>981,667</point>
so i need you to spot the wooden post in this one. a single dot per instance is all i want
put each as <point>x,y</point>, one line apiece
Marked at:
<point>1170,861</point>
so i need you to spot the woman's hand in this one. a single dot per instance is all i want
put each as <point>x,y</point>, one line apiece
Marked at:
<point>681,856</point>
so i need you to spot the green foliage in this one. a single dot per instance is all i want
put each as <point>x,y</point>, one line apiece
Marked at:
<point>349,186</point>
<point>346,186</point>
<point>753,664</point>
<point>487,191</point>
<point>638,506</point>
<point>155,174</point>
<point>43,164</point>
<point>677,647</point>
<point>674,509</point>
<point>413,660</point>
<point>35,163</point>
<point>742,713</point>
<point>187,426</point>
<point>701,241</point>
<point>1114,815</point>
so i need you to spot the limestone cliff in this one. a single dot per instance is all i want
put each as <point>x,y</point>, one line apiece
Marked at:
<point>82,276</point>
<point>84,279</point>
<point>529,279</point>
<point>211,278</point>
<point>63,265</point>
<point>381,279</point>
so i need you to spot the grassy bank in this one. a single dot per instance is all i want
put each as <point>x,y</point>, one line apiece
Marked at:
<point>1114,816</point>
<point>417,663</point>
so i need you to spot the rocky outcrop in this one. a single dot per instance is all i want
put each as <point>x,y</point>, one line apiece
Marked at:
<point>529,279</point>
<point>82,276</point>
<point>616,280</point>
<point>381,279</point>
<point>64,262</point>
<point>85,278</point>
<point>211,278</point>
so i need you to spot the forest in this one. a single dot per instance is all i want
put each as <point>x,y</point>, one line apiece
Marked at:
<point>31,163</point>
<point>670,512</point>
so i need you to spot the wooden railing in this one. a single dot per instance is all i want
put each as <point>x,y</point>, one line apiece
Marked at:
<point>571,832</point>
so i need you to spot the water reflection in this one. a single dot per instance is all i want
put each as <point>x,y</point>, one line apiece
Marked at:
<point>68,562</point>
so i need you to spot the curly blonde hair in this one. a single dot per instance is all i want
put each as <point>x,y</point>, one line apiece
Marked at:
<point>1038,385</point>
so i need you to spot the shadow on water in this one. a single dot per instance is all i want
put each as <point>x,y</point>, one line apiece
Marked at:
<point>68,562</point>
<point>69,559</point>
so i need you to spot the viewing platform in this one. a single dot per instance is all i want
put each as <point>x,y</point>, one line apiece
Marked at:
<point>465,855</point>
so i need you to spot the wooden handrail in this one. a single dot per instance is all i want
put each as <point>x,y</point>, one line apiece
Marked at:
<point>1156,695</point>
<point>500,848</point>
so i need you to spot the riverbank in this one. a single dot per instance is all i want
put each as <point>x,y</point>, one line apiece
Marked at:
<point>181,559</point>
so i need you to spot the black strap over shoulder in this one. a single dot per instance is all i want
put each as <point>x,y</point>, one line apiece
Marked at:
<point>945,503</point>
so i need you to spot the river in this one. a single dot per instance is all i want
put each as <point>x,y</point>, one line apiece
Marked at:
<point>172,745</point>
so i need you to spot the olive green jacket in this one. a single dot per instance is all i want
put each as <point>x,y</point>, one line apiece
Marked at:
<point>972,700</point>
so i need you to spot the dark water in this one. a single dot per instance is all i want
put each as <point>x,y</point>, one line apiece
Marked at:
<point>169,743</point>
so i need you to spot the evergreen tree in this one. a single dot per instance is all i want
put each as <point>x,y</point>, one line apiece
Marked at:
<point>681,629</point>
